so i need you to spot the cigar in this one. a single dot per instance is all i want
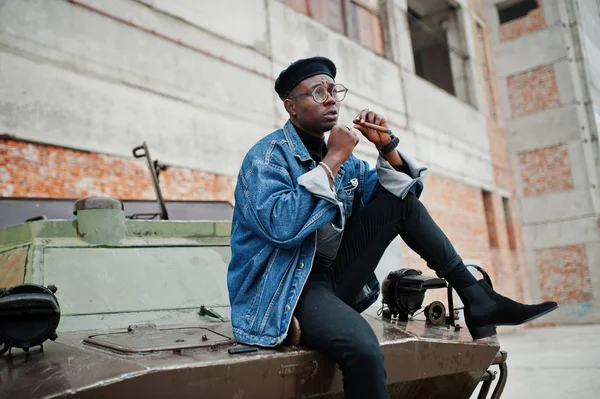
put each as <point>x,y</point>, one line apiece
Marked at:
<point>372,126</point>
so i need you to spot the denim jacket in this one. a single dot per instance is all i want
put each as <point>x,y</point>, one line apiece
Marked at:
<point>281,199</point>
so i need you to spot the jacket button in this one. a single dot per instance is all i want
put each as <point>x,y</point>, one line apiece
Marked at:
<point>301,265</point>
<point>287,308</point>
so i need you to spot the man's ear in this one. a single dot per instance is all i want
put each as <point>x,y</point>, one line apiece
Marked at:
<point>290,106</point>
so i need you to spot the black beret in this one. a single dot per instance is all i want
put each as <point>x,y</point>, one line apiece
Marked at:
<point>302,69</point>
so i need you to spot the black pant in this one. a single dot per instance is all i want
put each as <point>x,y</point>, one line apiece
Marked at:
<point>329,324</point>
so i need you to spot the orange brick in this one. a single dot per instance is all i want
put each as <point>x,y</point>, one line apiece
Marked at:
<point>76,174</point>
<point>533,90</point>
<point>564,274</point>
<point>545,170</point>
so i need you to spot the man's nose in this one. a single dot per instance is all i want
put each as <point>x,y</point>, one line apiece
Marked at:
<point>329,99</point>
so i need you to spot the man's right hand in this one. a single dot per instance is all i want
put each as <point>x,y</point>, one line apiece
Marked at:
<point>341,142</point>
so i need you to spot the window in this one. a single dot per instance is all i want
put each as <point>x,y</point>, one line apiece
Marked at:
<point>328,12</point>
<point>439,45</point>
<point>511,10</point>
<point>483,57</point>
<point>490,217</point>
<point>510,227</point>
<point>366,23</point>
<point>357,19</point>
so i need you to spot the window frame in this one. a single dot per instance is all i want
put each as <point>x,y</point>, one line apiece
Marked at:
<point>351,27</point>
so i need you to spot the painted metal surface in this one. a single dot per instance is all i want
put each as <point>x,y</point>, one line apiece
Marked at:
<point>146,339</point>
<point>438,367</point>
<point>137,278</point>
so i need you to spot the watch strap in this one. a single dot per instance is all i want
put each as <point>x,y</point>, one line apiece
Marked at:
<point>390,146</point>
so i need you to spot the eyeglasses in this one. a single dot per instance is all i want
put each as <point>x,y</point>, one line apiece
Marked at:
<point>320,93</point>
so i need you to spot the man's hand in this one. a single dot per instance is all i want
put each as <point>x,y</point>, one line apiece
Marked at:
<point>374,136</point>
<point>341,142</point>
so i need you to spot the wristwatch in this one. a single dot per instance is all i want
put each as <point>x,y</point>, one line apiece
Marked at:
<point>389,147</point>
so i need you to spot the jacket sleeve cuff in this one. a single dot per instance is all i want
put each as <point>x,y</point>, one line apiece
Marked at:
<point>316,182</point>
<point>399,183</point>
<point>402,168</point>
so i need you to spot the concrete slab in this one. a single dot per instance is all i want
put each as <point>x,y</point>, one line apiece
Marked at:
<point>525,52</point>
<point>553,363</point>
<point>555,206</point>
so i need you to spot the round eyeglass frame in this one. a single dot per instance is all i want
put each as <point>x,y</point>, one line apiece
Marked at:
<point>343,92</point>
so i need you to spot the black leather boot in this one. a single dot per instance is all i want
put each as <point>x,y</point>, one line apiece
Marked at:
<point>485,309</point>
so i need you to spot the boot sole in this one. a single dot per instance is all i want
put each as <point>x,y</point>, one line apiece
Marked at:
<point>529,319</point>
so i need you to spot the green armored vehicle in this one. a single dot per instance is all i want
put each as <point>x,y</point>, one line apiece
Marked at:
<point>144,313</point>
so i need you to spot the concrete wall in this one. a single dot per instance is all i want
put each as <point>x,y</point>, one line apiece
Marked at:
<point>543,93</point>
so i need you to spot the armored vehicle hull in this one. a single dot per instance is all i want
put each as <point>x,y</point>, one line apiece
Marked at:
<point>131,294</point>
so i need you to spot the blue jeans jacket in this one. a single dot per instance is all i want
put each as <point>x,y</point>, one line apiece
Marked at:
<point>281,200</point>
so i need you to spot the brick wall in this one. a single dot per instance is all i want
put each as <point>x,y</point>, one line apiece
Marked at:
<point>44,171</point>
<point>545,170</point>
<point>532,91</point>
<point>564,274</point>
<point>533,21</point>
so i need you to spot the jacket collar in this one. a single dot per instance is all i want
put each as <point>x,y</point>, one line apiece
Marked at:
<point>296,145</point>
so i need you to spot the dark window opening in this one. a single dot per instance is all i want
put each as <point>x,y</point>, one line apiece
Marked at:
<point>510,227</point>
<point>437,34</point>
<point>490,218</point>
<point>431,52</point>
<point>516,10</point>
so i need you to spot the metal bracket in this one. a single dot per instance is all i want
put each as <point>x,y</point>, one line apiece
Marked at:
<point>155,168</point>
<point>489,376</point>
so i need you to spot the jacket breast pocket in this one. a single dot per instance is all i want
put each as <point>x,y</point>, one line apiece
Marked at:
<point>350,189</point>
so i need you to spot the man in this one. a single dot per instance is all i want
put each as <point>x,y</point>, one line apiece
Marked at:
<point>311,222</point>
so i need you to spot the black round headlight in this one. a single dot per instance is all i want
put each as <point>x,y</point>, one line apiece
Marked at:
<point>29,315</point>
<point>401,299</point>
